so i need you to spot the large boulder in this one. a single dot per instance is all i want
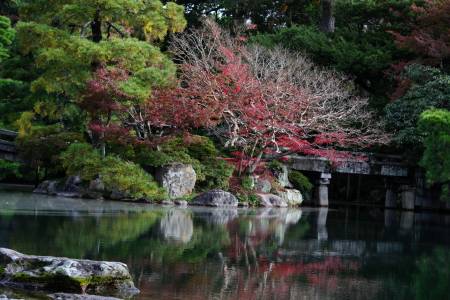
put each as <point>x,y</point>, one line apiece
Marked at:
<point>262,185</point>
<point>271,200</point>
<point>96,189</point>
<point>216,198</point>
<point>70,188</point>
<point>291,196</point>
<point>178,179</point>
<point>60,274</point>
<point>282,176</point>
<point>49,187</point>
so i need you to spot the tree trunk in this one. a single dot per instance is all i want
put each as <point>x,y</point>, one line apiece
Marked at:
<point>96,27</point>
<point>327,19</point>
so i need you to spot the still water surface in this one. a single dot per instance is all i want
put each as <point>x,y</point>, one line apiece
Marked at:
<point>198,253</point>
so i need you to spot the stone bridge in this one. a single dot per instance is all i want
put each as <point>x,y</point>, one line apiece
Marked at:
<point>375,164</point>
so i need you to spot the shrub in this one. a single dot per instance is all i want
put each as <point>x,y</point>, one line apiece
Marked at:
<point>300,182</point>
<point>129,177</point>
<point>247,183</point>
<point>117,174</point>
<point>9,169</point>
<point>83,160</point>
<point>251,198</point>
<point>275,166</point>
<point>217,174</point>
<point>435,124</point>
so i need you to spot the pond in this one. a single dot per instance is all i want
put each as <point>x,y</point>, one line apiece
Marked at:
<point>200,253</point>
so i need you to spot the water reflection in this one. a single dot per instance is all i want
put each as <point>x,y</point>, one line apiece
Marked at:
<point>198,253</point>
<point>177,225</point>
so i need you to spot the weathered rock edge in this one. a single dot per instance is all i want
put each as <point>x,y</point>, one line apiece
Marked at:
<point>215,198</point>
<point>61,274</point>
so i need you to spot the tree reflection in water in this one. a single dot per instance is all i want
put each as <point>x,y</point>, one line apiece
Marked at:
<point>198,253</point>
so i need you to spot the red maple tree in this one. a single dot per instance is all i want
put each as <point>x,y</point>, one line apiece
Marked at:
<point>265,103</point>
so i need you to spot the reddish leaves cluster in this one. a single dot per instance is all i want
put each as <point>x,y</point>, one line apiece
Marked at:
<point>262,102</point>
<point>430,37</point>
<point>102,92</point>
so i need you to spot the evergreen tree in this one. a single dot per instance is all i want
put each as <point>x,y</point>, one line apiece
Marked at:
<point>6,36</point>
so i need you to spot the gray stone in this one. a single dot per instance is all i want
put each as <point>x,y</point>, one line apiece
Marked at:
<point>243,204</point>
<point>291,196</point>
<point>97,185</point>
<point>261,185</point>
<point>167,202</point>
<point>61,274</point>
<point>215,198</point>
<point>96,189</point>
<point>178,179</point>
<point>271,200</point>
<point>118,195</point>
<point>66,296</point>
<point>47,187</point>
<point>72,188</point>
<point>283,176</point>
<point>73,180</point>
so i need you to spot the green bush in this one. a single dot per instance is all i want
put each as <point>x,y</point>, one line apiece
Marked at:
<point>275,166</point>
<point>83,160</point>
<point>247,183</point>
<point>9,169</point>
<point>300,182</point>
<point>435,125</point>
<point>117,174</point>
<point>129,177</point>
<point>251,198</point>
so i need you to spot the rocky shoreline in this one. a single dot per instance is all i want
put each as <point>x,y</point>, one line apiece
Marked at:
<point>179,181</point>
<point>211,198</point>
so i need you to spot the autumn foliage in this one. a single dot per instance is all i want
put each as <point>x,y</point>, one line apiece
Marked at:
<point>265,103</point>
<point>430,35</point>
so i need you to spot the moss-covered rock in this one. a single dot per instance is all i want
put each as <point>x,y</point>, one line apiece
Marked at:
<point>60,274</point>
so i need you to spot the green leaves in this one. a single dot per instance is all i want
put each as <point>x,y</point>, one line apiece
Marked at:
<point>435,124</point>
<point>430,88</point>
<point>6,36</point>
<point>67,61</point>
